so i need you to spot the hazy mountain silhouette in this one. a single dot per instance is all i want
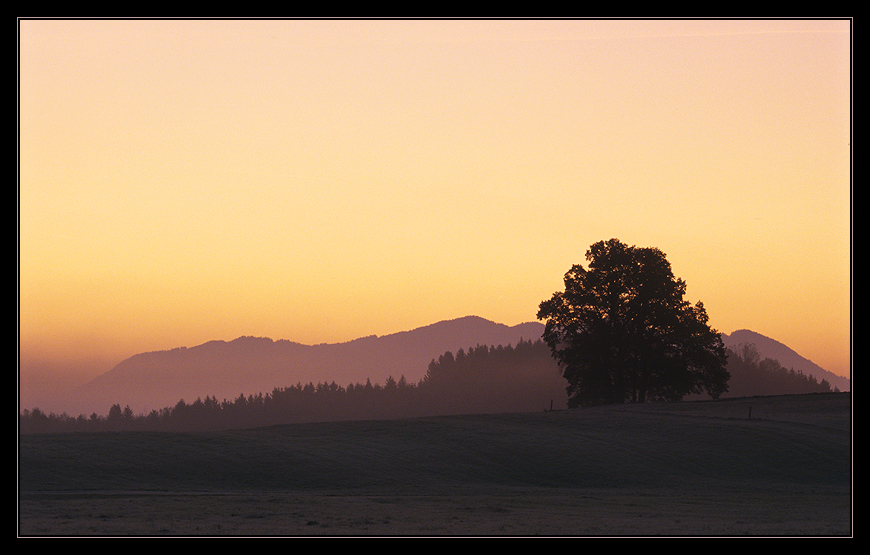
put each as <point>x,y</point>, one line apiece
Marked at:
<point>788,358</point>
<point>249,365</point>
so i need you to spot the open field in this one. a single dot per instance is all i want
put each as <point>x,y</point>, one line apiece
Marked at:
<point>701,468</point>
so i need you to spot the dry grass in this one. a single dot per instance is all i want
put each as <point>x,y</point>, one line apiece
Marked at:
<point>682,469</point>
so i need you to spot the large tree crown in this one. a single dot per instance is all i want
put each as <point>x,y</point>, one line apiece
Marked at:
<point>626,318</point>
<point>620,279</point>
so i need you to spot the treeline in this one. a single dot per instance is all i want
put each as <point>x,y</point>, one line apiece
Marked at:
<point>484,379</point>
<point>521,378</point>
<point>752,375</point>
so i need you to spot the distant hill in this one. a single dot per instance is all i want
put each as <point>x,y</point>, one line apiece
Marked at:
<point>251,365</point>
<point>248,365</point>
<point>788,358</point>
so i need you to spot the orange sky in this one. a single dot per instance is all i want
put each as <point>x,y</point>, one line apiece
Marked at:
<point>317,181</point>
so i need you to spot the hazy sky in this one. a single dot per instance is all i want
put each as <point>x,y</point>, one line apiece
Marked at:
<point>318,181</point>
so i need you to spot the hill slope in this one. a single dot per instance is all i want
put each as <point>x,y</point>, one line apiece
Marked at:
<point>788,358</point>
<point>801,438</point>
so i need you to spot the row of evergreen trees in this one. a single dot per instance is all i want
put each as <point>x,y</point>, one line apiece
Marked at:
<point>483,379</point>
<point>521,378</point>
<point>753,375</point>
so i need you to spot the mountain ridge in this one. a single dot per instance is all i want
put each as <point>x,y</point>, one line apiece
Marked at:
<point>249,365</point>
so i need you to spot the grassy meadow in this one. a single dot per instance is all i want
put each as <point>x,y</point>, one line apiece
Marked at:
<point>772,466</point>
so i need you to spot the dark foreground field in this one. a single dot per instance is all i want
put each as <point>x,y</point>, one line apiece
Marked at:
<point>685,469</point>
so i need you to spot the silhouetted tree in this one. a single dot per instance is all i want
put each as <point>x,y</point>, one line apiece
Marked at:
<point>622,331</point>
<point>115,413</point>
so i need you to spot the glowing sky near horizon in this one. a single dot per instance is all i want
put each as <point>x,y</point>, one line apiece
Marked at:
<point>318,181</point>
